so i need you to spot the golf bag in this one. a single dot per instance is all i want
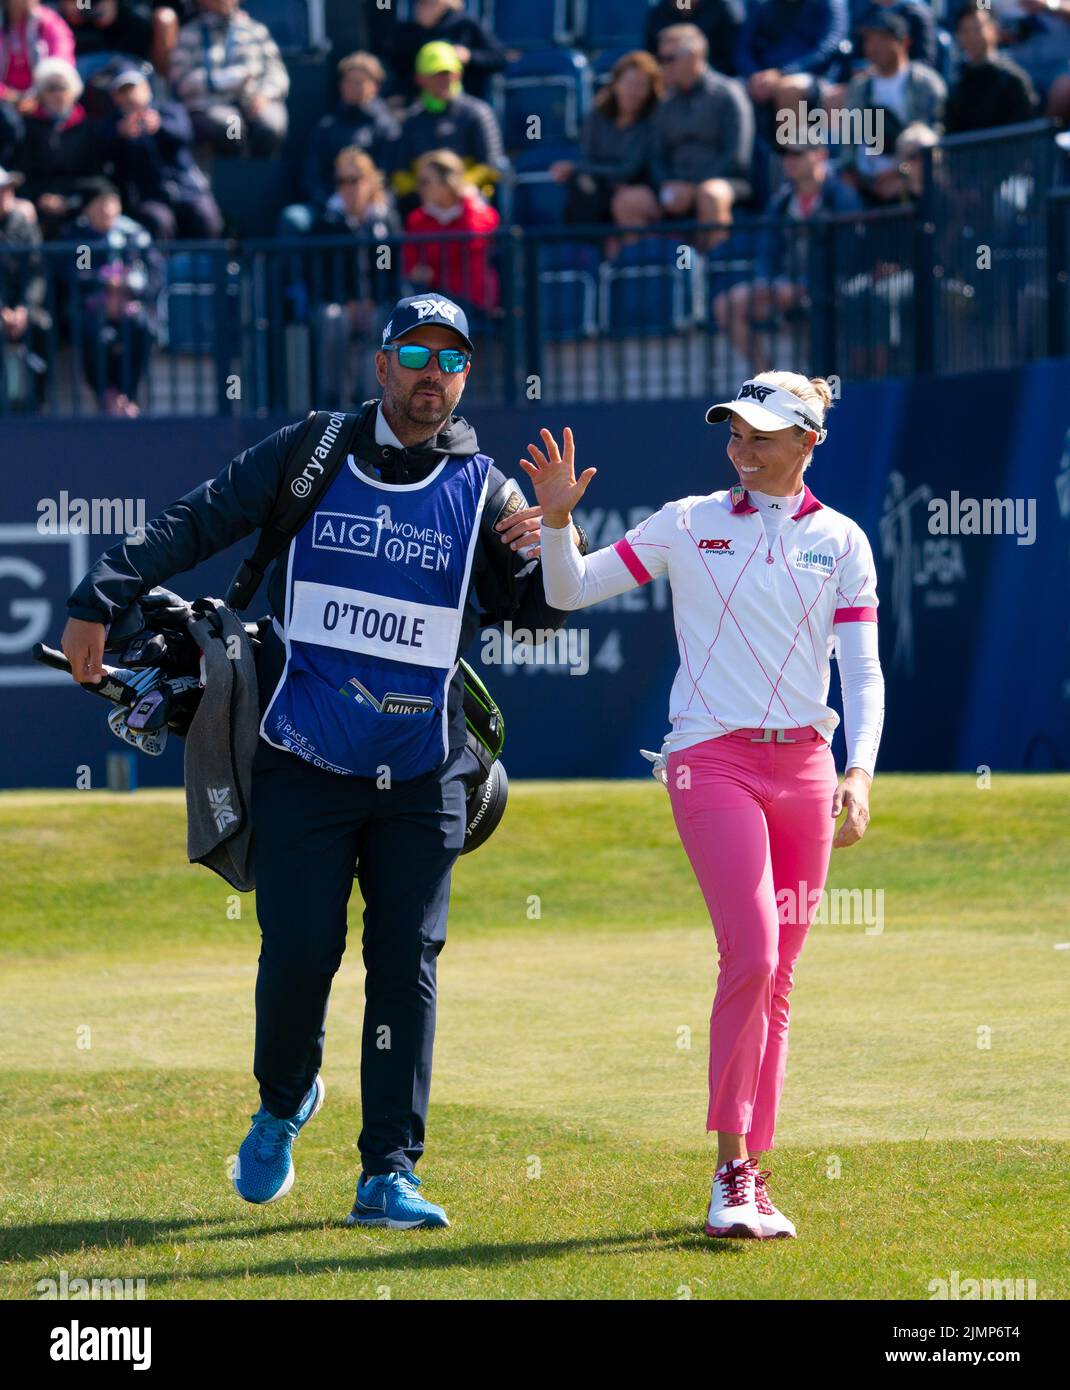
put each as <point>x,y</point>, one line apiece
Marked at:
<point>158,681</point>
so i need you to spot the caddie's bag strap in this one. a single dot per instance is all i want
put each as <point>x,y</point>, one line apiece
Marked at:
<point>310,469</point>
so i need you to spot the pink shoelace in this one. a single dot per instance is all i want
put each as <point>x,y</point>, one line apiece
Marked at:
<point>732,1180</point>
<point>761,1197</point>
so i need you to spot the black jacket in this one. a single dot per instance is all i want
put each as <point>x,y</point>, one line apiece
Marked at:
<point>154,167</point>
<point>56,155</point>
<point>233,505</point>
<point>988,94</point>
<point>373,128</point>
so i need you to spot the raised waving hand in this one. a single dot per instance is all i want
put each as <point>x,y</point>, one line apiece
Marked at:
<point>553,476</point>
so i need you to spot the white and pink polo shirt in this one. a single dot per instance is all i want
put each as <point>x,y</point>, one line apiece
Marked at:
<point>756,608</point>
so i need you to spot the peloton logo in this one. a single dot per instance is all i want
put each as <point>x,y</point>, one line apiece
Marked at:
<point>814,560</point>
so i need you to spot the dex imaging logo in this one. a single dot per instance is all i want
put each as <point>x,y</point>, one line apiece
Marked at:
<point>711,545</point>
<point>346,533</point>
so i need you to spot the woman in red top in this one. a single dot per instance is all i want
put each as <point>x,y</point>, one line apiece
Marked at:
<point>459,268</point>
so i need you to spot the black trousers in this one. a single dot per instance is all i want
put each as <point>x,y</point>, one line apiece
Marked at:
<point>309,827</point>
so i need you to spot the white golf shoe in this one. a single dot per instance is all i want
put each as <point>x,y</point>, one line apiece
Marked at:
<point>775,1225</point>
<point>733,1210</point>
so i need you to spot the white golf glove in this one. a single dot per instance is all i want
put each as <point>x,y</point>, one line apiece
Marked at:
<point>660,768</point>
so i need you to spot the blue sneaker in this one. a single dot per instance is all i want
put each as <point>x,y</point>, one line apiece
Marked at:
<point>391,1200</point>
<point>265,1170</point>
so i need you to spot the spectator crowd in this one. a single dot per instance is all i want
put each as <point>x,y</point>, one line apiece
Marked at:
<point>118,119</point>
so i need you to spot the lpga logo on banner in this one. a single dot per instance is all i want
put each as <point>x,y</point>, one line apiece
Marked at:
<point>919,561</point>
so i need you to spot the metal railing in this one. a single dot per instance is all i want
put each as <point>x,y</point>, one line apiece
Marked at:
<point>971,275</point>
<point>1058,322</point>
<point>983,213</point>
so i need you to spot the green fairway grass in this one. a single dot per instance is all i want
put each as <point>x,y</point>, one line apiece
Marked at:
<point>924,1130</point>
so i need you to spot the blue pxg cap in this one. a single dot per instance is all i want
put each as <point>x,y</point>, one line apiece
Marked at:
<point>422,309</point>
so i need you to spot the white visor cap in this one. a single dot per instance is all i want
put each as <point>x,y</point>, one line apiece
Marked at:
<point>767,407</point>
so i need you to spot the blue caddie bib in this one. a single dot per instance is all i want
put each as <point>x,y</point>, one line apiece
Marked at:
<point>376,584</point>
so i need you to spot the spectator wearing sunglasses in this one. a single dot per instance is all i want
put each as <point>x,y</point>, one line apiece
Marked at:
<point>702,139</point>
<point>460,267</point>
<point>361,203</point>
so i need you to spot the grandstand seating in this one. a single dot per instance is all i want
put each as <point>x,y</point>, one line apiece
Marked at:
<point>523,24</point>
<point>602,63</point>
<point>613,23</point>
<point>553,84</point>
<point>946,55</point>
<point>568,290</point>
<point>296,25</point>
<point>645,292</point>
<point>187,305</point>
<point>312,80</point>
<point>537,201</point>
<point>251,193</point>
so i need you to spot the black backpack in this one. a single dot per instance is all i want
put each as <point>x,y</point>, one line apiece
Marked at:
<point>314,460</point>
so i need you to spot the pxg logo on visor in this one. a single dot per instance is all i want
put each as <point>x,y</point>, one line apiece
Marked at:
<point>767,407</point>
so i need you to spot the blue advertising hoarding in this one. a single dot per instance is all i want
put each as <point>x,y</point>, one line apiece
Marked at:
<point>974,637</point>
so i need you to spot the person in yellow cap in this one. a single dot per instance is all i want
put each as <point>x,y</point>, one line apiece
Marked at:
<point>444,116</point>
<point>447,21</point>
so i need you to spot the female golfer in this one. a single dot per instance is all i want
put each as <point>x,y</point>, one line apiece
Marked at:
<point>763,579</point>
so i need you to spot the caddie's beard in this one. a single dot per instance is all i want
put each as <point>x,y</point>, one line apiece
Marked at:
<point>424,412</point>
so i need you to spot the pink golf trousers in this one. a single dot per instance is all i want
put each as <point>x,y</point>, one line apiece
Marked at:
<point>755,818</point>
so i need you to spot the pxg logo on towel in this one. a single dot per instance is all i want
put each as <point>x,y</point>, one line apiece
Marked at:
<point>345,533</point>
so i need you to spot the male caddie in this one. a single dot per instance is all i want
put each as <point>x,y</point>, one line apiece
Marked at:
<point>376,595</point>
